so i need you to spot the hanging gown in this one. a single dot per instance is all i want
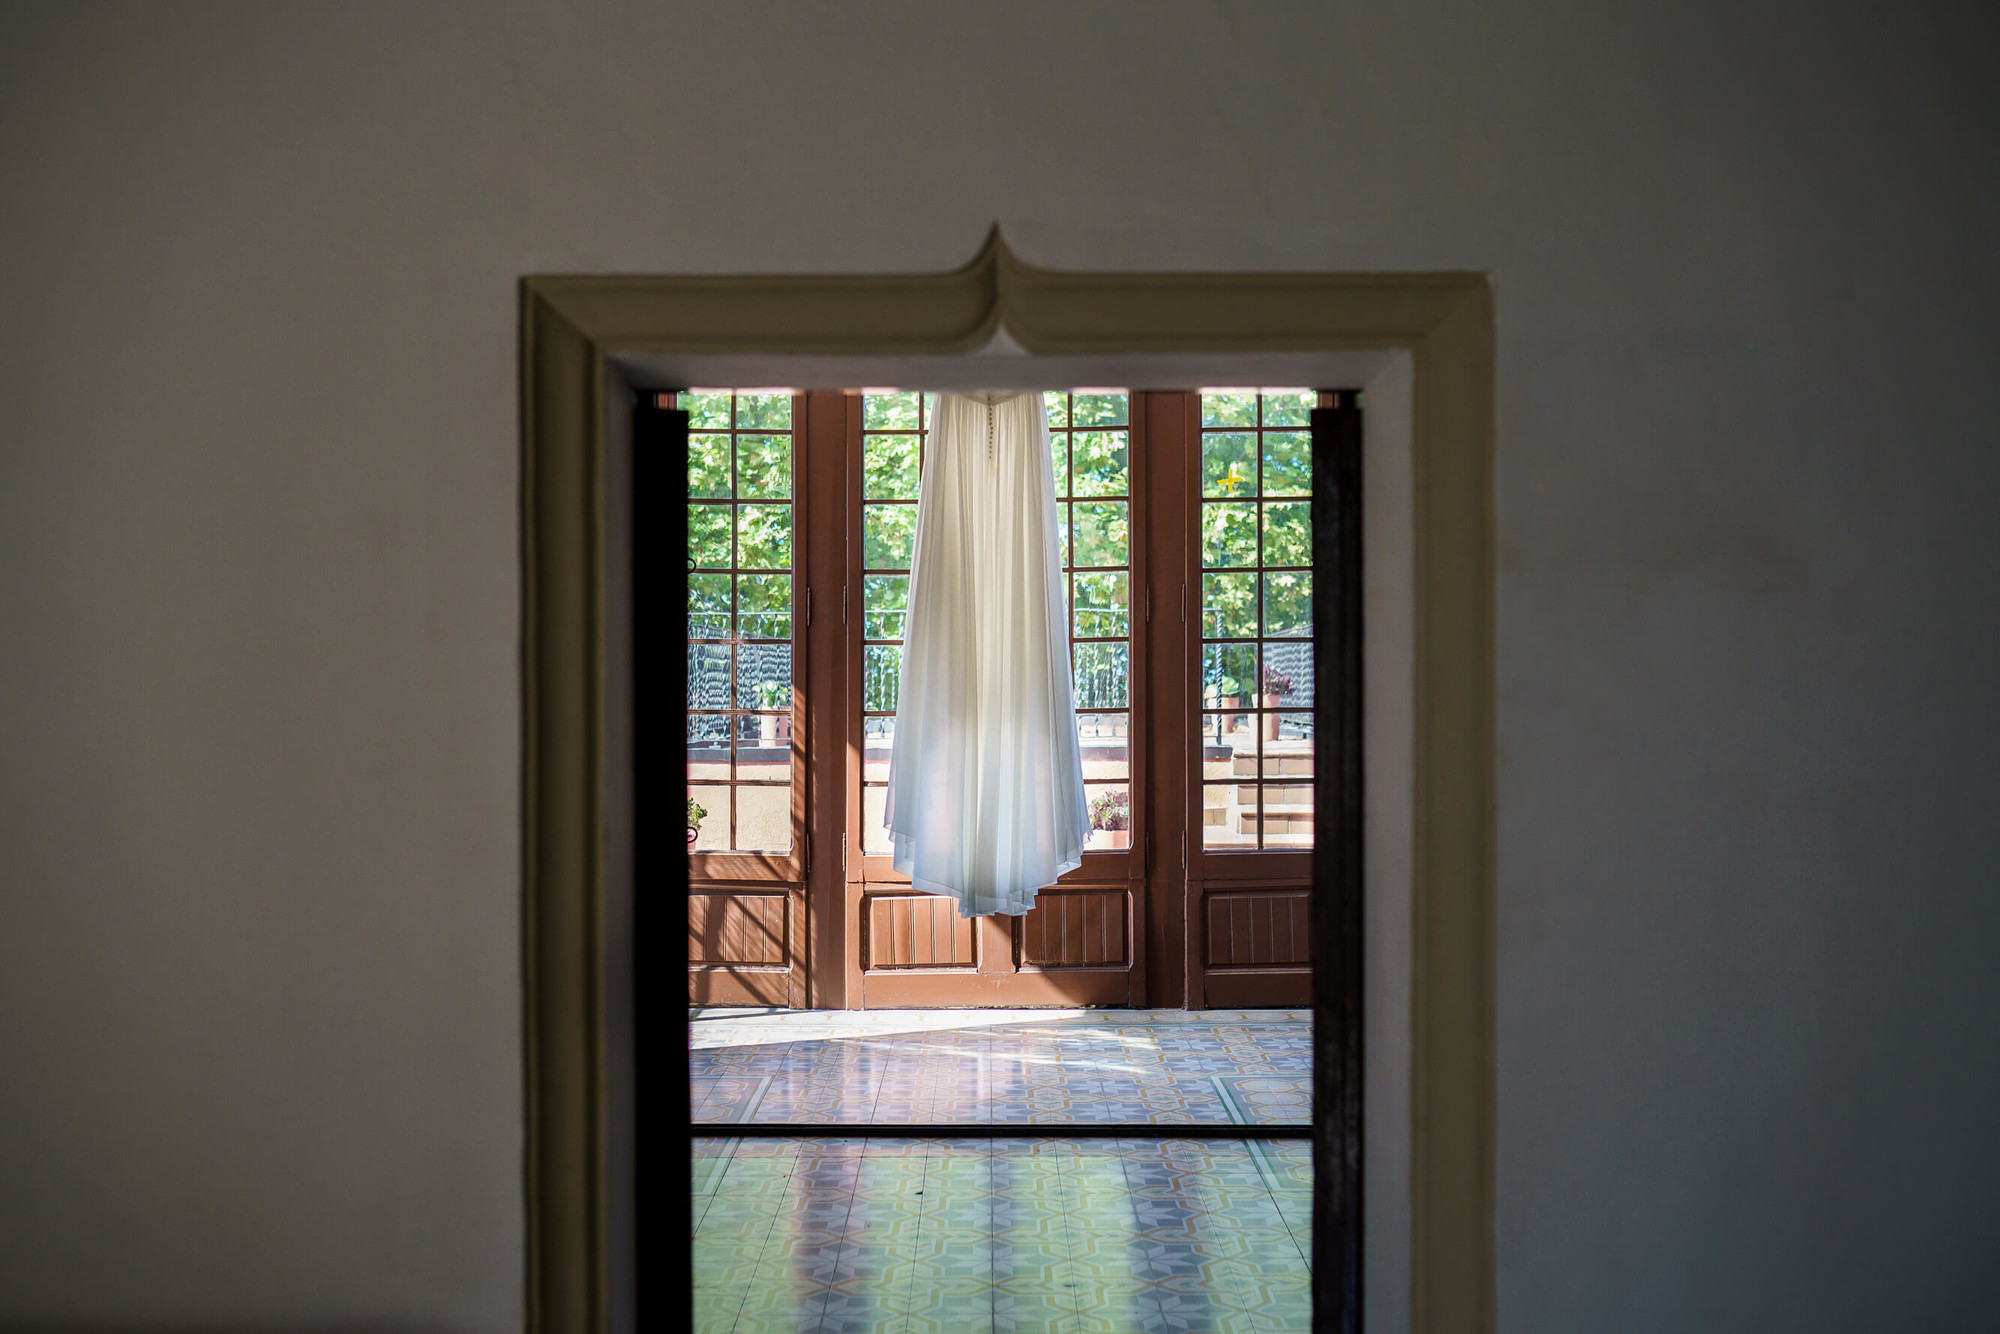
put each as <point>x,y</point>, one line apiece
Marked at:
<point>985,799</point>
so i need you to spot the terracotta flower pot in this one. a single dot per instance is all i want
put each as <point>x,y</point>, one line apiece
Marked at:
<point>1117,838</point>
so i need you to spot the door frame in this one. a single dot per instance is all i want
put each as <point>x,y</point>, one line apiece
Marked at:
<point>570,329</point>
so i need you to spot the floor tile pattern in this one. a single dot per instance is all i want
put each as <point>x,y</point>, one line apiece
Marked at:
<point>1001,1236</point>
<point>1033,1067</point>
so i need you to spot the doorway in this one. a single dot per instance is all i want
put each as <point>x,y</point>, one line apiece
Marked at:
<point>1186,545</point>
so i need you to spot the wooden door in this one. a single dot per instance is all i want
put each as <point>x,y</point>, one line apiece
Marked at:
<point>747,684</point>
<point>1083,942</point>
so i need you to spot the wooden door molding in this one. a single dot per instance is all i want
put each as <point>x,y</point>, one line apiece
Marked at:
<point>570,329</point>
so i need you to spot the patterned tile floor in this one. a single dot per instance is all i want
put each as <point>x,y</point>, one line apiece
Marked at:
<point>1035,1067</point>
<point>1001,1236</point>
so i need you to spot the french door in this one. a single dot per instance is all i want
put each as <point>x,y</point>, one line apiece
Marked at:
<point>1186,532</point>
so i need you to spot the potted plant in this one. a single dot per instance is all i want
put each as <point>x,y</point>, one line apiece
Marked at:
<point>1273,685</point>
<point>1112,813</point>
<point>696,814</point>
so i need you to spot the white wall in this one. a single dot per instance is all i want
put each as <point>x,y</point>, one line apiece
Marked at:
<point>258,697</point>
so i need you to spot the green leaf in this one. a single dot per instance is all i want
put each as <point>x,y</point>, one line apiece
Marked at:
<point>708,466</point>
<point>889,412</point>
<point>764,537</point>
<point>887,533</point>
<point>1228,533</point>
<point>1289,407</point>
<point>1288,463</point>
<point>1228,464</point>
<point>1059,461</point>
<point>767,412</point>
<point>709,411</point>
<point>1288,605</point>
<point>764,606</point>
<point>885,599</point>
<point>1229,408</point>
<point>764,467</point>
<point>708,536</point>
<point>1102,462</point>
<point>1229,606</point>
<point>1288,532</point>
<point>1102,610</point>
<point>1228,671</point>
<point>1102,532</point>
<point>889,467</point>
<point>1057,402</point>
<point>1099,409</point>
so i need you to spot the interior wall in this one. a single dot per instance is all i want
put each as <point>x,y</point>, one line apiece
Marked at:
<point>259,802</point>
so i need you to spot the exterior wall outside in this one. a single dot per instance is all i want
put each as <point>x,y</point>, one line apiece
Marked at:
<point>259,937</point>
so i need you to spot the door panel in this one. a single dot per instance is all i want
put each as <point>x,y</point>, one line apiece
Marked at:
<point>1257,928</point>
<point>1077,928</point>
<point>916,931</point>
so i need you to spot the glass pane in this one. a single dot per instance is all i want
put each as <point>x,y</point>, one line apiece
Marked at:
<point>708,465</point>
<point>708,606</point>
<point>885,600</point>
<point>1102,461</point>
<point>1110,816</point>
<point>1288,803</point>
<point>708,535</point>
<point>763,749</point>
<point>763,676</point>
<point>1229,407</point>
<point>764,467</point>
<point>1289,407</point>
<point>1229,746</point>
<point>1288,604</point>
<point>764,606</point>
<point>1063,526</point>
<point>714,836</point>
<point>1288,746</point>
<point>1288,532</point>
<point>886,534</point>
<point>1102,674</point>
<point>881,665</point>
<point>889,467</point>
<point>874,835</point>
<point>1228,464</point>
<point>1102,609</point>
<point>708,676</point>
<point>1288,674</point>
<point>1057,403</point>
<point>889,412</point>
<point>1101,532</point>
<point>1228,533</point>
<point>1059,461</point>
<point>878,737</point>
<point>1105,739</point>
<point>1229,606</point>
<point>1288,463</point>
<point>764,819</point>
<point>764,537</point>
<point>1229,815</point>
<point>770,412</point>
<point>1227,671</point>
<point>1100,409</point>
<point>708,746</point>
<point>708,408</point>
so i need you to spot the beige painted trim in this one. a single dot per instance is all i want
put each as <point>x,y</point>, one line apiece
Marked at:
<point>570,325</point>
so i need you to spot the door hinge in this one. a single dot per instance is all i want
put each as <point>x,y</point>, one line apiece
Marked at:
<point>843,606</point>
<point>843,854</point>
<point>1184,849</point>
<point>809,604</point>
<point>1183,604</point>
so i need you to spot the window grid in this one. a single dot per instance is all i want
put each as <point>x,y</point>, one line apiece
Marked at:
<point>1089,441</point>
<point>1255,535</point>
<point>742,539</point>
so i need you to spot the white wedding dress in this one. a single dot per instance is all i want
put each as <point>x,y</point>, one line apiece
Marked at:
<point>985,798</point>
